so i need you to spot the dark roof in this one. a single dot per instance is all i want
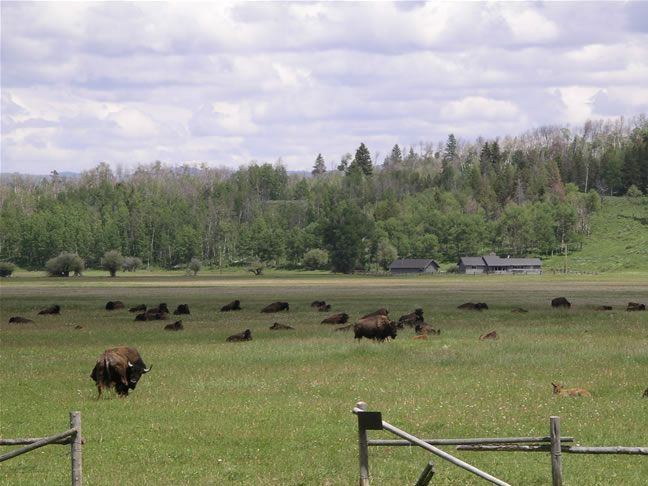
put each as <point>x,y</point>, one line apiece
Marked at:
<point>413,263</point>
<point>472,261</point>
<point>495,261</point>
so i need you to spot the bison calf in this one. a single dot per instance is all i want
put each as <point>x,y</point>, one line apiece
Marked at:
<point>570,392</point>
<point>120,367</point>
<point>241,336</point>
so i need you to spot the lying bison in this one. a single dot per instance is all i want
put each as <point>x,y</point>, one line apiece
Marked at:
<point>340,318</point>
<point>276,307</point>
<point>176,326</point>
<point>479,306</point>
<point>380,312</point>
<point>318,303</point>
<point>560,302</point>
<point>280,327</point>
<point>159,309</point>
<point>150,316</point>
<point>138,308</point>
<point>411,319</point>
<point>19,320</point>
<point>182,309</point>
<point>121,367</point>
<point>519,310</point>
<point>604,308</point>
<point>490,335</point>
<point>424,328</point>
<point>241,336</point>
<point>235,305</point>
<point>377,328</point>
<point>114,305</point>
<point>635,306</point>
<point>55,309</point>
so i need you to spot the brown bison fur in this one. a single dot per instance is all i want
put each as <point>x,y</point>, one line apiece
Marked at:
<point>241,336</point>
<point>280,327</point>
<point>19,320</point>
<point>318,303</point>
<point>176,326</point>
<point>232,306</point>
<point>144,316</point>
<point>138,308</point>
<point>378,328</point>
<point>423,328</point>
<point>182,309</point>
<point>344,328</point>
<point>604,308</point>
<point>149,316</point>
<point>325,308</point>
<point>55,309</point>
<point>380,312</point>
<point>479,306</point>
<point>560,302</point>
<point>114,305</point>
<point>490,335</point>
<point>340,318</point>
<point>120,367</point>
<point>519,310</point>
<point>411,319</point>
<point>571,392</point>
<point>635,307</point>
<point>276,307</point>
<point>421,337</point>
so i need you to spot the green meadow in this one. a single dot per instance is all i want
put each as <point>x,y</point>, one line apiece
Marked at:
<point>277,410</point>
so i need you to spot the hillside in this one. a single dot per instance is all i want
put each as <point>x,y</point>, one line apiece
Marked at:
<point>618,240</point>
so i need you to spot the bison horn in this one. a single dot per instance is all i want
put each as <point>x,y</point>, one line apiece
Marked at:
<point>146,370</point>
<point>130,365</point>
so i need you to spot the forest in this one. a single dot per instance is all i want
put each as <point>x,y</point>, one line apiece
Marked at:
<point>527,195</point>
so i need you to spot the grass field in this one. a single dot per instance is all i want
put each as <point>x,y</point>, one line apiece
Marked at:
<point>277,410</point>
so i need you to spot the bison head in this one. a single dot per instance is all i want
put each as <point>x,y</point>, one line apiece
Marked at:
<point>134,373</point>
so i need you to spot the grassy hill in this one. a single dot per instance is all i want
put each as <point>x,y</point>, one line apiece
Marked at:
<point>618,240</point>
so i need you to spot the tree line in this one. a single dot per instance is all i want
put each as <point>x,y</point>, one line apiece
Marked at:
<point>519,196</point>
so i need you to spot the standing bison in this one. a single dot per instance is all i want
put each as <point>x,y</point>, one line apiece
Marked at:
<point>121,367</point>
<point>377,328</point>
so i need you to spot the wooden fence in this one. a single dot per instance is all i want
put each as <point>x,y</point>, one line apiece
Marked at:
<point>552,443</point>
<point>71,436</point>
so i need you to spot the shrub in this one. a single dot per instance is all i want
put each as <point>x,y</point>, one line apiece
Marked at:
<point>194,265</point>
<point>62,265</point>
<point>131,264</point>
<point>6,269</point>
<point>315,259</point>
<point>112,261</point>
<point>452,269</point>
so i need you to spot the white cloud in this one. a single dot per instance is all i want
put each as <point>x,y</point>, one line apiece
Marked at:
<point>477,107</point>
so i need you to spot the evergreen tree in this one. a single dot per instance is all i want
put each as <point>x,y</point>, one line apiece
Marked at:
<point>362,161</point>
<point>320,166</point>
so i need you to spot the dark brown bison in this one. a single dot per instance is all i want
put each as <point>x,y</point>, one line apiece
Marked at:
<point>343,328</point>
<point>424,328</point>
<point>176,326</point>
<point>604,308</point>
<point>149,316</point>
<point>232,306</point>
<point>340,318</point>
<point>635,306</point>
<point>560,302</point>
<point>241,336</point>
<point>519,310</point>
<point>325,308</point>
<point>645,393</point>
<point>276,307</point>
<point>114,305</point>
<point>411,319</point>
<point>479,306</point>
<point>159,309</point>
<point>121,367</point>
<point>144,316</point>
<point>490,335</point>
<point>380,312</point>
<point>318,303</point>
<point>182,309</point>
<point>280,327</point>
<point>378,328</point>
<point>55,309</point>
<point>138,308</point>
<point>19,320</point>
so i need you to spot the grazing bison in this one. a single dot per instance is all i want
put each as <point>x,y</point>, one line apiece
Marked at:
<point>380,312</point>
<point>635,306</point>
<point>344,328</point>
<point>560,302</point>
<point>55,309</point>
<point>423,328</point>
<point>604,308</point>
<point>138,308</point>
<point>280,327</point>
<point>276,307</point>
<point>490,335</point>
<point>519,310</point>
<point>340,318</point>
<point>232,306</point>
<point>479,306</point>
<point>241,336</point>
<point>19,320</point>
<point>121,367</point>
<point>176,326</point>
<point>570,392</point>
<point>114,305</point>
<point>411,319</point>
<point>377,328</point>
<point>182,309</point>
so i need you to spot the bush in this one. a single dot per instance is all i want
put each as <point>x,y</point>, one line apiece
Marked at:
<point>112,261</point>
<point>6,269</point>
<point>452,269</point>
<point>315,259</point>
<point>131,264</point>
<point>194,265</point>
<point>62,265</point>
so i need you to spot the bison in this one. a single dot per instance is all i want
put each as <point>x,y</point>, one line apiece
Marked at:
<point>604,308</point>
<point>318,303</point>
<point>280,327</point>
<point>276,307</point>
<point>340,318</point>
<point>645,393</point>
<point>325,308</point>
<point>149,316</point>
<point>121,367</point>
<point>421,337</point>
<point>138,308</point>
<point>519,310</point>
<point>144,316</point>
<point>635,306</point>
<point>114,305</point>
<point>411,319</point>
<point>378,328</point>
<point>241,336</point>
<point>55,309</point>
<point>159,309</point>
<point>479,306</point>
<point>380,312</point>
<point>19,320</point>
<point>176,326</point>
<point>490,335</point>
<point>570,392</point>
<point>232,306</point>
<point>182,309</point>
<point>560,302</point>
<point>423,328</point>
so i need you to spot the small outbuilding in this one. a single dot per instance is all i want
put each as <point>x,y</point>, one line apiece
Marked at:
<point>472,265</point>
<point>407,265</point>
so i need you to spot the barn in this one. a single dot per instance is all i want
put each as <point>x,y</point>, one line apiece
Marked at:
<point>406,265</point>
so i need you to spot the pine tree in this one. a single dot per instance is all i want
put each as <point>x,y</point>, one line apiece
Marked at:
<point>320,166</point>
<point>362,161</point>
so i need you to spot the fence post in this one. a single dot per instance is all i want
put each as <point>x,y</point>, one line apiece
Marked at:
<point>77,474</point>
<point>363,445</point>
<point>556,454</point>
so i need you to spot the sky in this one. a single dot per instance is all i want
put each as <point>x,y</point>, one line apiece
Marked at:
<point>229,84</point>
